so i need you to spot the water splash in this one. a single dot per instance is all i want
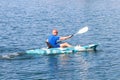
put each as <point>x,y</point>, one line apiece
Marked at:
<point>10,55</point>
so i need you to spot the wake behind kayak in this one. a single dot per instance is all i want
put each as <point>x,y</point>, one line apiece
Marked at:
<point>10,55</point>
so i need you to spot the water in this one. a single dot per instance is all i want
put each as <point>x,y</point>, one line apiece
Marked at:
<point>25,24</point>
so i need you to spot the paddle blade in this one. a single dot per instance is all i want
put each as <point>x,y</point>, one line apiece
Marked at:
<point>83,30</point>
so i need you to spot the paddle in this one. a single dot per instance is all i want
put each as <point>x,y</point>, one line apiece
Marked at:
<point>81,31</point>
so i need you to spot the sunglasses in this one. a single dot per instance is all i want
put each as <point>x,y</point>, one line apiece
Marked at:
<point>55,32</point>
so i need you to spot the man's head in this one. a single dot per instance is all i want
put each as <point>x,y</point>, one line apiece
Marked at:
<point>55,32</point>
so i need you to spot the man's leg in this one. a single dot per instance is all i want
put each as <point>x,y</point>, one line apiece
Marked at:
<point>65,45</point>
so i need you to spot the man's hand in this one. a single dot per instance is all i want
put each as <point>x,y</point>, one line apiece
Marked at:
<point>70,36</point>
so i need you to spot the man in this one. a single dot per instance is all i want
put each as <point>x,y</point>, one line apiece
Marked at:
<point>53,40</point>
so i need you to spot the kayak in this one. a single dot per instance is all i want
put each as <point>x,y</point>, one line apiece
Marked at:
<point>91,47</point>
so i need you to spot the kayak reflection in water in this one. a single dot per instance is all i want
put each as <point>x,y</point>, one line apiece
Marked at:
<point>53,39</point>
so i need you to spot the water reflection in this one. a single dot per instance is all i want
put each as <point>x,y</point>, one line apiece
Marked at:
<point>66,65</point>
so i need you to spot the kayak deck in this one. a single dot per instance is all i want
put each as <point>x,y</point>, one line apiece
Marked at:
<point>62,50</point>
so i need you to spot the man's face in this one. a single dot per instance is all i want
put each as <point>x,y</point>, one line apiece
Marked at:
<point>55,32</point>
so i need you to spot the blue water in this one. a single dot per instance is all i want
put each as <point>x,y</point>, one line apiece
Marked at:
<point>25,24</point>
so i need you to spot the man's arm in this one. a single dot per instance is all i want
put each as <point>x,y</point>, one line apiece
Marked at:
<point>66,37</point>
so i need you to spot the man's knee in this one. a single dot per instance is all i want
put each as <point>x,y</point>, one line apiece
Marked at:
<point>64,45</point>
